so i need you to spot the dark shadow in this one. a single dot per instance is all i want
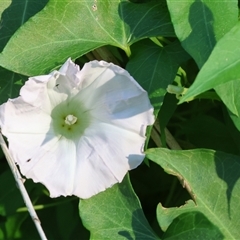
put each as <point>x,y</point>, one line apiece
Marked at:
<point>15,15</point>
<point>228,169</point>
<point>140,227</point>
<point>125,234</point>
<point>201,48</point>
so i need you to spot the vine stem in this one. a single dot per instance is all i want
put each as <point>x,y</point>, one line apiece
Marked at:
<point>19,180</point>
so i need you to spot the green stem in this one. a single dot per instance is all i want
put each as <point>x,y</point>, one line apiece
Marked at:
<point>205,95</point>
<point>41,206</point>
<point>127,51</point>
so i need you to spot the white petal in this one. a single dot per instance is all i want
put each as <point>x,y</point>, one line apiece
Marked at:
<point>120,150</point>
<point>68,80</point>
<point>66,169</point>
<point>118,99</point>
<point>41,92</point>
<point>92,174</point>
<point>110,146</point>
<point>25,148</point>
<point>55,168</point>
<point>16,117</point>
<point>34,90</point>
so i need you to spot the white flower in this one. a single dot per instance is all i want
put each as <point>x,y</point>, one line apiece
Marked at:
<point>78,132</point>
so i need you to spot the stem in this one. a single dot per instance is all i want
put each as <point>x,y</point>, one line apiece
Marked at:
<point>205,95</point>
<point>105,54</point>
<point>127,51</point>
<point>156,41</point>
<point>19,181</point>
<point>40,207</point>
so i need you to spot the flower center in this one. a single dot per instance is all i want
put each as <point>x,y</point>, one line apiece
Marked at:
<point>70,119</point>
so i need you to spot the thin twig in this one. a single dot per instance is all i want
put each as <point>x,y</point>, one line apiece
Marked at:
<point>171,142</point>
<point>22,188</point>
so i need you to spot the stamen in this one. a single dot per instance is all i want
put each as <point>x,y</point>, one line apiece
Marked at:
<point>70,119</point>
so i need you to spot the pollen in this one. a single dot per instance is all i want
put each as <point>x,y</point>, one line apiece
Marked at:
<point>70,119</point>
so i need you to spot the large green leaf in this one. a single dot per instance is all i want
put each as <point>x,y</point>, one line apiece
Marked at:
<point>14,14</point>
<point>222,66</point>
<point>207,22</point>
<point>78,27</point>
<point>192,225</point>
<point>212,179</point>
<point>115,214</point>
<point>199,24</point>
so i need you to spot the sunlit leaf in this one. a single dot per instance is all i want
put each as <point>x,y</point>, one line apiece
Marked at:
<point>115,214</point>
<point>14,14</point>
<point>212,179</point>
<point>222,66</point>
<point>77,27</point>
<point>200,24</point>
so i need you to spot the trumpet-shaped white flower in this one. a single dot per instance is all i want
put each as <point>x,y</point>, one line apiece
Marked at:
<point>78,132</point>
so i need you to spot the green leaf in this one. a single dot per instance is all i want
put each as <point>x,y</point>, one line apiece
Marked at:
<point>200,24</point>
<point>236,120</point>
<point>212,179</point>
<point>155,67</point>
<point>10,229</point>
<point>10,84</point>
<point>192,225</point>
<point>222,66</point>
<point>233,125</point>
<point>14,14</point>
<point>78,27</point>
<point>115,214</point>
<point>207,22</point>
<point>232,101</point>
<point>166,112</point>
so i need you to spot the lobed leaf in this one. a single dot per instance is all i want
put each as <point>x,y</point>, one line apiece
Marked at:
<point>212,179</point>
<point>78,27</point>
<point>14,14</point>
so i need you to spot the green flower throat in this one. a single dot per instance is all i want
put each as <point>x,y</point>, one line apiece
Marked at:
<point>70,119</point>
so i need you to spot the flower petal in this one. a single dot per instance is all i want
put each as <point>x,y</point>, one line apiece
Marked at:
<point>41,92</point>
<point>120,99</point>
<point>111,143</point>
<point>34,90</point>
<point>55,168</point>
<point>48,91</point>
<point>120,150</point>
<point>17,116</point>
<point>60,170</point>
<point>68,81</point>
<point>92,174</point>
